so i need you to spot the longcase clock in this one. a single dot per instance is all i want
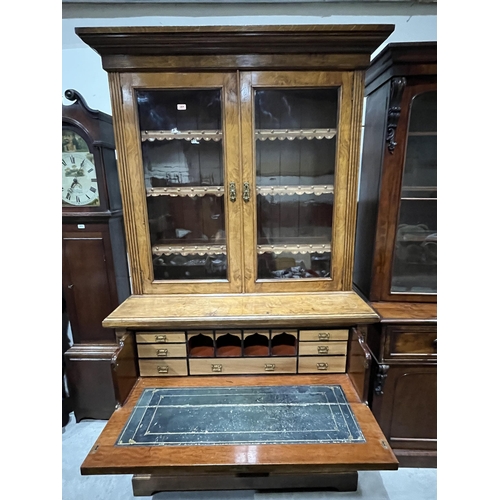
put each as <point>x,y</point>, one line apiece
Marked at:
<point>94,259</point>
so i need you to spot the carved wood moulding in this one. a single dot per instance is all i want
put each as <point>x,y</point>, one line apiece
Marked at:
<point>397,87</point>
<point>380,379</point>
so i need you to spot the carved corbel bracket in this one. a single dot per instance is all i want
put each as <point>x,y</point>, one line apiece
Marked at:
<point>397,86</point>
<point>380,379</point>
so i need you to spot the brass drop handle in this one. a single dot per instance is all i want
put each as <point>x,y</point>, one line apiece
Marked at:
<point>246,192</point>
<point>269,367</point>
<point>216,368</point>
<point>324,336</point>
<point>162,369</point>
<point>322,349</point>
<point>160,338</point>
<point>232,191</point>
<point>322,366</point>
<point>162,352</point>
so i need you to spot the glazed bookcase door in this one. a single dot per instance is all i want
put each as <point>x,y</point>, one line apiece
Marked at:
<point>413,243</point>
<point>180,169</point>
<point>297,162</point>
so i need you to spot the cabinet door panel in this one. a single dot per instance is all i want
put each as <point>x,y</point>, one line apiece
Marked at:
<point>88,284</point>
<point>407,408</point>
<point>184,163</point>
<point>296,162</point>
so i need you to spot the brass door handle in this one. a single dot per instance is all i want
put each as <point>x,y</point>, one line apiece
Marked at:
<point>232,191</point>
<point>246,192</point>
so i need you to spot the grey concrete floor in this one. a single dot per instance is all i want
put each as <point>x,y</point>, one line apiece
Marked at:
<point>78,438</point>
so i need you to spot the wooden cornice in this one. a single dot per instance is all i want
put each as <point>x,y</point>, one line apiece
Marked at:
<point>402,59</point>
<point>231,40</point>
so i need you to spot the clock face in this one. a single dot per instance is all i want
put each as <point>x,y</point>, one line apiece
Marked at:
<point>79,178</point>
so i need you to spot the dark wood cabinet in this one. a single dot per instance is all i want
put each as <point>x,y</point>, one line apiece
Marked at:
<point>403,384</point>
<point>395,265</point>
<point>94,261</point>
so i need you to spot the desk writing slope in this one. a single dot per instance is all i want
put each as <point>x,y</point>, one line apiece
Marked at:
<point>264,424</point>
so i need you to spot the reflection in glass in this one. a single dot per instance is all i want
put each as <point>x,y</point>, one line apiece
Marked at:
<point>295,134</point>
<point>415,256</point>
<point>183,174</point>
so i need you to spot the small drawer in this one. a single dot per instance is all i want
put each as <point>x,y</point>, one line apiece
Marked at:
<point>322,348</point>
<point>322,364</point>
<point>161,350</point>
<point>162,367</point>
<point>323,335</point>
<point>159,337</point>
<point>411,343</point>
<point>255,366</point>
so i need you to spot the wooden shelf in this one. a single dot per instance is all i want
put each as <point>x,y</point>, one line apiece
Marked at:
<point>192,249</point>
<point>187,135</point>
<point>295,190</point>
<point>422,134</point>
<point>291,134</point>
<point>408,198</point>
<point>295,248</point>
<point>190,191</point>
<point>419,188</point>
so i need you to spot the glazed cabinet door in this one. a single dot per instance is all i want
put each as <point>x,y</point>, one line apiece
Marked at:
<point>298,150</point>
<point>410,273</point>
<point>178,149</point>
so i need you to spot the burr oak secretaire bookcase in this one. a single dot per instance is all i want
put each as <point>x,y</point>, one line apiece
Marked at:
<point>238,151</point>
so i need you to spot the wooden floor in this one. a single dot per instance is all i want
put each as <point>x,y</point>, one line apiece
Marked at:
<point>373,454</point>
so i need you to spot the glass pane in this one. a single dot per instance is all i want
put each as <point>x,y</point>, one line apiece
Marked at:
<point>184,178</point>
<point>295,147</point>
<point>415,258</point>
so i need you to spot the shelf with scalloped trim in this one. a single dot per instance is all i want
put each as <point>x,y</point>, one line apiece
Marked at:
<point>301,248</point>
<point>189,249</point>
<point>187,135</point>
<point>190,191</point>
<point>295,190</point>
<point>291,134</point>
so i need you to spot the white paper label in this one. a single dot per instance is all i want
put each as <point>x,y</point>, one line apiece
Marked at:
<point>181,107</point>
